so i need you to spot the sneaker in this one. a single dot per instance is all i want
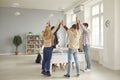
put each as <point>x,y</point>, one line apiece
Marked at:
<point>48,73</point>
<point>67,75</point>
<point>78,75</point>
<point>43,72</point>
<point>88,70</point>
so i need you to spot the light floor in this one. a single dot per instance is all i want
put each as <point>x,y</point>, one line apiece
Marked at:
<point>23,67</point>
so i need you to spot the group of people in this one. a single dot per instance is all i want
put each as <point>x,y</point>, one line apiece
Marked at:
<point>50,41</point>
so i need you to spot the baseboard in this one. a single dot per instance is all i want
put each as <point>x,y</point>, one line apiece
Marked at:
<point>11,54</point>
<point>117,67</point>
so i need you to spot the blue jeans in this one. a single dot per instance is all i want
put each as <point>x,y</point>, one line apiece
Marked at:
<point>87,55</point>
<point>73,52</point>
<point>47,54</point>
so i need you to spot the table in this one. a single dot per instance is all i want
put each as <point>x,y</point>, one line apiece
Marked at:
<point>62,58</point>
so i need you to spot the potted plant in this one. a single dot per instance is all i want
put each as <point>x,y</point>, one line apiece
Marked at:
<point>17,41</point>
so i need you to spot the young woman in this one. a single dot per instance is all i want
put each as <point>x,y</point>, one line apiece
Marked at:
<point>48,37</point>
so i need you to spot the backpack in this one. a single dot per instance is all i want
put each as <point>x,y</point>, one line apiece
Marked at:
<point>38,59</point>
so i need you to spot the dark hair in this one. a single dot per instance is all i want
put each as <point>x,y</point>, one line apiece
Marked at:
<point>52,27</point>
<point>74,26</point>
<point>85,24</point>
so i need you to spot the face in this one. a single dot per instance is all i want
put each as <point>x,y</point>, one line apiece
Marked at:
<point>85,26</point>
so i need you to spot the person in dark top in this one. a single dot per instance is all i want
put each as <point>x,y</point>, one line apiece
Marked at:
<point>56,37</point>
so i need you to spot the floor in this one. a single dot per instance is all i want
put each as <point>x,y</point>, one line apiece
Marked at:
<point>23,67</point>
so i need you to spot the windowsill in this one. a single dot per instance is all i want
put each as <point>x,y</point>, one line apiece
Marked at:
<point>96,47</point>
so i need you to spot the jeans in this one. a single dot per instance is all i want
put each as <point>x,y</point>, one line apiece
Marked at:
<point>87,55</point>
<point>73,52</point>
<point>47,54</point>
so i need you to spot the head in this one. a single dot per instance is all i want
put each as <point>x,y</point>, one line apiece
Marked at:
<point>42,31</point>
<point>52,27</point>
<point>86,25</point>
<point>74,26</point>
<point>47,31</point>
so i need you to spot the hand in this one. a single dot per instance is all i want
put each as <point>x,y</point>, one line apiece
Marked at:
<point>58,23</point>
<point>77,20</point>
<point>62,23</point>
<point>48,23</point>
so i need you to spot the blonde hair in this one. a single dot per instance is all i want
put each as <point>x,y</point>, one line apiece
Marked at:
<point>47,32</point>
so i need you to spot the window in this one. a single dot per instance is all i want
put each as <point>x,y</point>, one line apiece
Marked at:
<point>97,25</point>
<point>70,19</point>
<point>73,19</point>
<point>95,10</point>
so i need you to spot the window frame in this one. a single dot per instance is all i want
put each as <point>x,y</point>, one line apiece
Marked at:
<point>100,15</point>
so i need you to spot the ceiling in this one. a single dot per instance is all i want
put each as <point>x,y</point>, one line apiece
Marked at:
<point>58,5</point>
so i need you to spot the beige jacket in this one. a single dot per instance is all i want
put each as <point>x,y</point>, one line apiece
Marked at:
<point>49,40</point>
<point>74,37</point>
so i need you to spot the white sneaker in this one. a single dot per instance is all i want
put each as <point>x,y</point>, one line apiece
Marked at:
<point>88,70</point>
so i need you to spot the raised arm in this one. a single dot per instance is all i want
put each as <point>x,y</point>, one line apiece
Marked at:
<point>48,23</point>
<point>78,23</point>
<point>83,28</point>
<point>56,28</point>
<point>64,26</point>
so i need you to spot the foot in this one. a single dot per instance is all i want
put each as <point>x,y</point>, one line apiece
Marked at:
<point>88,70</point>
<point>78,75</point>
<point>43,72</point>
<point>48,73</point>
<point>67,75</point>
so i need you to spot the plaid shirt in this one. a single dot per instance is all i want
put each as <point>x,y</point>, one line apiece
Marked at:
<point>86,33</point>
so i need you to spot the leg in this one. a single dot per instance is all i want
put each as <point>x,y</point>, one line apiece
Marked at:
<point>87,56</point>
<point>73,65</point>
<point>69,61</point>
<point>66,66</point>
<point>62,66</point>
<point>44,60</point>
<point>76,62</point>
<point>53,67</point>
<point>48,64</point>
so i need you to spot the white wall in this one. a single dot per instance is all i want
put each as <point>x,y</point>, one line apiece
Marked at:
<point>111,37</point>
<point>94,54</point>
<point>108,58</point>
<point>117,32</point>
<point>30,20</point>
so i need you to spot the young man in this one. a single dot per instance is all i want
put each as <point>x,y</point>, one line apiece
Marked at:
<point>86,41</point>
<point>74,36</point>
<point>55,34</point>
